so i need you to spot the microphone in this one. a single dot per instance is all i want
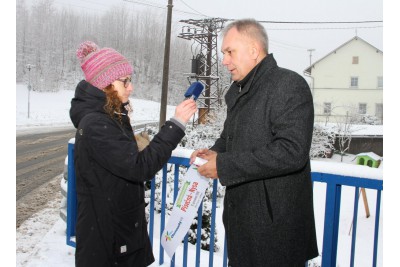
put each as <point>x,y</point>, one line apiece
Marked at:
<point>194,90</point>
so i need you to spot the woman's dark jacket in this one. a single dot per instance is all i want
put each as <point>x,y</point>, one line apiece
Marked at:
<point>111,228</point>
<point>263,160</point>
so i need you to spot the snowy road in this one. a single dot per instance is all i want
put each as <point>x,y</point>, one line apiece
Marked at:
<point>40,162</point>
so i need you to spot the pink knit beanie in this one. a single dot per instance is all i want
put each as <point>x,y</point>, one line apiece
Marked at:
<point>102,66</point>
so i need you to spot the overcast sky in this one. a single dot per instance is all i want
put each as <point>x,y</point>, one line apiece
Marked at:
<point>289,42</point>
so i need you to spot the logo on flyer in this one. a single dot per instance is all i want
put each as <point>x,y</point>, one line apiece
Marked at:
<point>170,235</point>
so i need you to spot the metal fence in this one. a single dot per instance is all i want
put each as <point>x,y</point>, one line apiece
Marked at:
<point>334,184</point>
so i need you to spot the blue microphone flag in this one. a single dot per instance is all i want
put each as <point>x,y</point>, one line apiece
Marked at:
<point>194,90</point>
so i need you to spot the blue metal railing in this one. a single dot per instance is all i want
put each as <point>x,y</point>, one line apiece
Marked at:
<point>332,212</point>
<point>334,184</point>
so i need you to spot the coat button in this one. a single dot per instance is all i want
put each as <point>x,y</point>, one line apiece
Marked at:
<point>136,225</point>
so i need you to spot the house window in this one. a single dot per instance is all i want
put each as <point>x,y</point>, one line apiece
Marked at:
<point>380,82</point>
<point>354,82</point>
<point>362,108</point>
<point>379,110</point>
<point>327,108</point>
<point>355,60</point>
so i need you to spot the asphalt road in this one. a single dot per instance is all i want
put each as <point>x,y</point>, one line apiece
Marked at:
<point>39,166</point>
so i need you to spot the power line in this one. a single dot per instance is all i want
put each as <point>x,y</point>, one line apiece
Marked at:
<point>321,22</point>
<point>183,2</point>
<point>145,4</point>
<point>325,28</point>
<point>152,4</point>
<point>163,7</point>
<point>286,45</point>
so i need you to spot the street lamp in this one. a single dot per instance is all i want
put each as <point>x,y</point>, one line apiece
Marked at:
<point>310,50</point>
<point>29,67</point>
<point>312,78</point>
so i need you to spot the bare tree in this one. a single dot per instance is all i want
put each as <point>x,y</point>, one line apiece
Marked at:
<point>344,130</point>
<point>48,37</point>
<point>21,42</point>
<point>322,142</point>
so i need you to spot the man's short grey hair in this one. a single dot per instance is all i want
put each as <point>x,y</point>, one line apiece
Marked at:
<point>252,29</point>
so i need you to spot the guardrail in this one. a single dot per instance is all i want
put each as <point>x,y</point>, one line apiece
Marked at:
<point>361,178</point>
<point>141,126</point>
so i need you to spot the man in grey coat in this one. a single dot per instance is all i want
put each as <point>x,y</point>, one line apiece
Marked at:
<point>262,155</point>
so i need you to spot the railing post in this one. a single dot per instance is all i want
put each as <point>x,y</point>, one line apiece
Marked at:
<point>198,236</point>
<point>331,225</point>
<point>355,217</point>
<point>213,214</point>
<point>151,210</point>
<point>163,207</point>
<point>185,250</point>
<point>176,189</point>
<point>377,214</point>
<point>71,196</point>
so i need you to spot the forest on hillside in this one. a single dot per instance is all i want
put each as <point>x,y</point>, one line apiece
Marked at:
<point>47,38</point>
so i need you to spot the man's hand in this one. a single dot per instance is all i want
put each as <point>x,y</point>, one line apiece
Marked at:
<point>208,169</point>
<point>199,153</point>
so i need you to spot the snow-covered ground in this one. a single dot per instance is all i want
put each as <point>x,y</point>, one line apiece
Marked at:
<point>41,241</point>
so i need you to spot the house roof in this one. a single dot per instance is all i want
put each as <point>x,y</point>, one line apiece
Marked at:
<point>308,70</point>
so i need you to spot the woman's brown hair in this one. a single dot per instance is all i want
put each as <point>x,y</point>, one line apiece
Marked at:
<point>113,105</point>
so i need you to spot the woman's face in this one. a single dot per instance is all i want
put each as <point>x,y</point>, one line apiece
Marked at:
<point>124,87</point>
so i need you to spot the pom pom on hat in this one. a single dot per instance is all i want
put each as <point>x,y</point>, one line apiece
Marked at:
<point>85,49</point>
<point>102,66</point>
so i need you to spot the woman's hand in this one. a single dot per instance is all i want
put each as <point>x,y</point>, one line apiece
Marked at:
<point>185,110</point>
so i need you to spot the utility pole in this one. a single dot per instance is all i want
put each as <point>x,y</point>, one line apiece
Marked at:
<point>164,89</point>
<point>29,67</point>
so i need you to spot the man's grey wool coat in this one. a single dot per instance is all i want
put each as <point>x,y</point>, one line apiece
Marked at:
<point>263,160</point>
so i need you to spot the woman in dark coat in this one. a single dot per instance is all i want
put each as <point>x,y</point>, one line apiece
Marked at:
<point>262,156</point>
<point>111,228</point>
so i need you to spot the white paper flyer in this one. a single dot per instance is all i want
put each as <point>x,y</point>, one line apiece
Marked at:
<point>185,208</point>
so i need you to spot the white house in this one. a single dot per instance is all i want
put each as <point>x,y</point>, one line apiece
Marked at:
<point>348,83</point>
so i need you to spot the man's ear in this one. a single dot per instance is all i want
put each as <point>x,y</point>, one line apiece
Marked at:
<point>255,51</point>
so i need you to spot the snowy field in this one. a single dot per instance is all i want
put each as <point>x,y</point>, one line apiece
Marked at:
<point>41,241</point>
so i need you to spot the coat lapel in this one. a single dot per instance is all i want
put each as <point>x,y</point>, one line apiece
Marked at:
<point>235,92</point>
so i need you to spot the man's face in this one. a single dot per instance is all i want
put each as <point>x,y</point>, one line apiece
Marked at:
<point>238,54</point>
